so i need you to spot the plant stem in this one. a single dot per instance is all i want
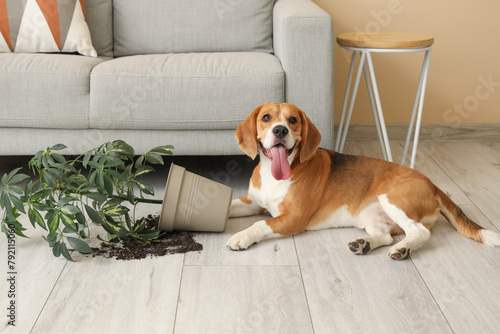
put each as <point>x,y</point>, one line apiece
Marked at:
<point>140,200</point>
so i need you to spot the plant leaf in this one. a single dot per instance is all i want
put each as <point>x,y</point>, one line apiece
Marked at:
<point>37,197</point>
<point>65,167</point>
<point>32,216</point>
<point>17,189</point>
<point>68,222</point>
<point>5,202</point>
<point>167,149</point>
<point>57,249</point>
<point>86,159</point>
<point>49,179</point>
<point>17,203</point>
<point>93,215</point>
<point>122,151</point>
<point>18,231</point>
<point>64,201</point>
<point>94,164</point>
<point>65,252</point>
<point>114,162</point>
<point>80,217</point>
<point>130,195</point>
<point>139,162</point>
<point>128,221</point>
<point>37,160</point>
<point>92,176</point>
<point>53,221</point>
<point>154,158</point>
<point>112,203</point>
<point>96,197</point>
<point>117,175</point>
<point>117,211</point>
<point>51,239</point>
<point>70,210</point>
<point>50,160</point>
<point>35,216</point>
<point>144,170</point>
<point>99,182</point>
<point>4,179</point>
<point>59,158</point>
<point>44,161</point>
<point>108,184</point>
<point>150,234</point>
<point>18,178</point>
<point>145,187</point>
<point>11,174</point>
<point>58,147</point>
<point>42,207</point>
<point>113,228</point>
<point>139,227</point>
<point>79,245</point>
<point>57,174</point>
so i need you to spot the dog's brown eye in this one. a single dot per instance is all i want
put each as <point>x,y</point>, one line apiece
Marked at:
<point>266,118</point>
<point>293,120</point>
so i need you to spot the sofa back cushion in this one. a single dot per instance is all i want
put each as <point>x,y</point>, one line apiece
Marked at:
<point>100,21</point>
<point>176,26</point>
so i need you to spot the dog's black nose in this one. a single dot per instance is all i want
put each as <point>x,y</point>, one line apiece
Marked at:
<point>280,131</point>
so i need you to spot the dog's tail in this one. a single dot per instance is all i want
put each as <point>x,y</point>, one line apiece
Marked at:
<point>464,225</point>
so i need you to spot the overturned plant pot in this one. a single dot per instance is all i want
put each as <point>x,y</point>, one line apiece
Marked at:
<point>194,203</point>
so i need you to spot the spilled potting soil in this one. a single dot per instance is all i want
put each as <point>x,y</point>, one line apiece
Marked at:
<point>169,243</point>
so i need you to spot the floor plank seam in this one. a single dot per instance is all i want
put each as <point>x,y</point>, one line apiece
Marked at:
<point>432,295</point>
<point>240,265</point>
<point>179,292</point>
<point>466,194</point>
<point>48,297</point>
<point>303,285</point>
<point>495,227</point>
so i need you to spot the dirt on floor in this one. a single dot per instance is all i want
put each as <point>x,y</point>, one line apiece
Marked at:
<point>169,243</point>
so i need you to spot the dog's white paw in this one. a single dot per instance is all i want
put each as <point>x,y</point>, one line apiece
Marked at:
<point>240,241</point>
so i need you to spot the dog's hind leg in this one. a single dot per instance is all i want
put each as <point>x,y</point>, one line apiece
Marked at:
<point>379,235</point>
<point>363,245</point>
<point>415,231</point>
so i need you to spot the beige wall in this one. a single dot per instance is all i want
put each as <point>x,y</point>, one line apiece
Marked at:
<point>464,77</point>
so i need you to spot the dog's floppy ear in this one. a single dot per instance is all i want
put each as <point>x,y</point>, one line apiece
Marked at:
<point>311,138</point>
<point>246,134</point>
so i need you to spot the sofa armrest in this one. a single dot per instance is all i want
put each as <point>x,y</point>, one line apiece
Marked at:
<point>303,41</point>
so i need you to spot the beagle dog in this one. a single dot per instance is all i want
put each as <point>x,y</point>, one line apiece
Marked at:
<point>304,187</point>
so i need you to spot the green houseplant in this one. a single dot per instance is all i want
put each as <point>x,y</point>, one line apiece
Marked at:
<point>101,186</point>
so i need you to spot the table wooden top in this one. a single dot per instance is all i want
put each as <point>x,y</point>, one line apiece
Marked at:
<point>385,40</point>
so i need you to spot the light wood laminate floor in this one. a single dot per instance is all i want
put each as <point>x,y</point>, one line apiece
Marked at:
<point>308,283</point>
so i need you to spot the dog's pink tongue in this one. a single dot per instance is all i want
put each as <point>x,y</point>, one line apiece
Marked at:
<point>280,167</point>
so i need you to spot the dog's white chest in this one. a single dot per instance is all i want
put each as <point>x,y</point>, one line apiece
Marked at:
<point>272,192</point>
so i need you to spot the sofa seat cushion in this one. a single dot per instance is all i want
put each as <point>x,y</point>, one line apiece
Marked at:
<point>45,90</point>
<point>183,91</point>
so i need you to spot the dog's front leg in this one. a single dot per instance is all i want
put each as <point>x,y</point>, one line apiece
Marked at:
<point>243,206</point>
<point>264,229</point>
<point>255,233</point>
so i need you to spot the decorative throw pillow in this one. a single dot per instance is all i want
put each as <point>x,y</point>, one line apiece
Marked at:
<point>44,26</point>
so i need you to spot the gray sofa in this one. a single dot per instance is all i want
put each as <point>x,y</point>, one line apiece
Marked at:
<point>179,72</point>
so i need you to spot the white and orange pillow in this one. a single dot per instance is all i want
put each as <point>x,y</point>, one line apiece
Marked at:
<point>32,26</point>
